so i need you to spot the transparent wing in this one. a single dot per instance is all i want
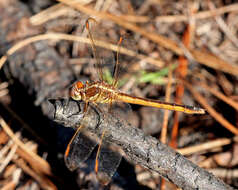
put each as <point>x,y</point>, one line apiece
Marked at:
<point>80,147</point>
<point>108,157</point>
<point>121,111</point>
<point>116,69</point>
<point>103,57</point>
<point>108,161</point>
<point>110,47</point>
<point>98,60</point>
<point>124,64</point>
<point>101,52</point>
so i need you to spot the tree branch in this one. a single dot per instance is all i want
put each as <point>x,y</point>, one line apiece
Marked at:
<point>139,148</point>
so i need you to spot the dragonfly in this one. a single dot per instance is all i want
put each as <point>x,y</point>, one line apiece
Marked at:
<point>100,92</point>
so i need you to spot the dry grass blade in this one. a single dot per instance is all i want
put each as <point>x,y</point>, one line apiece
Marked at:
<point>61,10</point>
<point>207,146</point>
<point>43,181</point>
<point>223,26</point>
<point>15,179</point>
<point>201,57</point>
<point>8,158</point>
<point>214,62</point>
<point>211,111</point>
<point>182,72</point>
<point>33,159</point>
<point>24,124</point>
<point>163,137</point>
<point>220,95</point>
<point>3,89</point>
<point>135,18</point>
<point>58,36</point>
<point>199,15</point>
<point>7,146</point>
<point>50,13</point>
<point>3,85</point>
<point>165,42</point>
<point>225,173</point>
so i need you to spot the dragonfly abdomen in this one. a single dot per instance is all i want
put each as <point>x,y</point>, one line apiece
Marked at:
<point>158,104</point>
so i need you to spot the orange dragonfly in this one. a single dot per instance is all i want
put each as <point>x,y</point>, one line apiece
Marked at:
<point>100,92</point>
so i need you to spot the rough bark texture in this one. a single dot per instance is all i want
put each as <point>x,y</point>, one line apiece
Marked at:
<point>139,148</point>
<point>37,66</point>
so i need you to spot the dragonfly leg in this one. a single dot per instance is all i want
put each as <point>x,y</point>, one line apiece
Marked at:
<point>85,109</point>
<point>95,53</point>
<point>99,109</point>
<point>110,105</point>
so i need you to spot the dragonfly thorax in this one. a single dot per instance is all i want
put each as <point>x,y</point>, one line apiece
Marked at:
<point>97,92</point>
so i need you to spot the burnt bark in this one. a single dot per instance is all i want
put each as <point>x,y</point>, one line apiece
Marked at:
<point>139,148</point>
<point>38,66</point>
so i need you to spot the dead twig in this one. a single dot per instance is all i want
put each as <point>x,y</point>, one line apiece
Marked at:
<point>200,15</point>
<point>139,148</point>
<point>33,159</point>
<point>220,95</point>
<point>207,146</point>
<point>59,36</point>
<point>163,137</point>
<point>60,10</point>
<point>15,179</point>
<point>182,72</point>
<point>223,25</point>
<point>43,181</point>
<point>225,173</point>
<point>8,158</point>
<point>211,110</point>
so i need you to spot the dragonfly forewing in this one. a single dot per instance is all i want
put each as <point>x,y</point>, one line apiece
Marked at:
<point>118,109</point>
<point>108,161</point>
<point>104,58</point>
<point>80,148</point>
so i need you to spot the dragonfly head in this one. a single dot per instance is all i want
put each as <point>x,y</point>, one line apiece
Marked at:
<point>76,90</point>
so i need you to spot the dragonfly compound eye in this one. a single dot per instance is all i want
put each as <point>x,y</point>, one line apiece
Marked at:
<point>79,85</point>
<point>75,91</point>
